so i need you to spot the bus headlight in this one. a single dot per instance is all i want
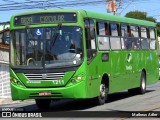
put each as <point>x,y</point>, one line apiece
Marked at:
<point>79,78</point>
<point>13,80</point>
<point>17,82</point>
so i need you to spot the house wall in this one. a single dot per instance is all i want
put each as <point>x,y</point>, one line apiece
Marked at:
<point>4,73</point>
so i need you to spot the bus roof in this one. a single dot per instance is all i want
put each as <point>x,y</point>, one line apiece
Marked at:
<point>97,15</point>
<point>120,19</point>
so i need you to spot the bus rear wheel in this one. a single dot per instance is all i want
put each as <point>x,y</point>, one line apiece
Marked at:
<point>100,100</point>
<point>43,103</point>
<point>142,88</point>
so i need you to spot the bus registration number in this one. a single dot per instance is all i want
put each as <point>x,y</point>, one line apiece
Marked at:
<point>45,93</point>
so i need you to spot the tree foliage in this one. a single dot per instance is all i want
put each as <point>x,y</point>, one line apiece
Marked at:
<point>158,28</point>
<point>140,15</point>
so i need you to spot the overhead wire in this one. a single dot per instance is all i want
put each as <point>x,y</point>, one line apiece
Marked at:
<point>11,5</point>
<point>43,3</point>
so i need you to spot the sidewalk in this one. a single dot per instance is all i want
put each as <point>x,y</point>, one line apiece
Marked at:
<point>8,101</point>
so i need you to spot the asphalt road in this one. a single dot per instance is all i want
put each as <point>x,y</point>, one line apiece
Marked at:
<point>120,102</point>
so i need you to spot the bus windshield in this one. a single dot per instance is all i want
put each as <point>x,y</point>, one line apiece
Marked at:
<point>38,47</point>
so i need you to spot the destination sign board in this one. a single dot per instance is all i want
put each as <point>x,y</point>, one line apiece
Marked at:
<point>45,18</point>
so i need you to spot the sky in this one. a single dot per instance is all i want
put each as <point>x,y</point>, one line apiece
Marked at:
<point>151,7</point>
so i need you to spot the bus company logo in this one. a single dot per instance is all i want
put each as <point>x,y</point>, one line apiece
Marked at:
<point>44,76</point>
<point>6,114</point>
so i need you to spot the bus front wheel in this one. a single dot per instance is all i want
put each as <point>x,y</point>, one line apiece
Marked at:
<point>101,99</point>
<point>43,103</point>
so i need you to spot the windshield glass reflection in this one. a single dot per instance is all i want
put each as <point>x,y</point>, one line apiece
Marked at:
<point>48,47</point>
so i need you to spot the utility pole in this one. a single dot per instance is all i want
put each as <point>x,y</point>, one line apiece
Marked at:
<point>112,6</point>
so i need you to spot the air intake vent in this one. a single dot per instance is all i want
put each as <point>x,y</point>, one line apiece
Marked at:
<point>46,76</point>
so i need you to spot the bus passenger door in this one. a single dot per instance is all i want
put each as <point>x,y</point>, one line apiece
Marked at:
<point>92,59</point>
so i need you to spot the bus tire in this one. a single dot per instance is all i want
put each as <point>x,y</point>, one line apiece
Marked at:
<point>100,100</point>
<point>142,88</point>
<point>43,103</point>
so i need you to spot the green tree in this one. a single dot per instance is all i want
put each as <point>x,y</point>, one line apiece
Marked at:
<point>158,28</point>
<point>140,15</point>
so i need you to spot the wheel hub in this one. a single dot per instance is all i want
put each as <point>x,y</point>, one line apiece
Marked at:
<point>103,90</point>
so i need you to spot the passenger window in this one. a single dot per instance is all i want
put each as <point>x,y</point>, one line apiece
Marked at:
<point>103,43</point>
<point>101,28</point>
<point>124,35</point>
<point>145,43</point>
<point>129,39</point>
<point>124,30</point>
<point>152,33</point>
<point>103,39</point>
<point>114,29</point>
<point>152,38</point>
<point>115,38</point>
<point>134,31</point>
<point>144,40</point>
<point>135,37</point>
<point>143,32</point>
<point>152,44</point>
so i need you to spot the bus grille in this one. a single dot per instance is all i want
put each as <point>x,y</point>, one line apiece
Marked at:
<point>46,76</point>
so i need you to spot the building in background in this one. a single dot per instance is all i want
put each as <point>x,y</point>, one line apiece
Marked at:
<point>4,61</point>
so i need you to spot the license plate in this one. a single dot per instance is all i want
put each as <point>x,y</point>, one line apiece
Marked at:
<point>46,93</point>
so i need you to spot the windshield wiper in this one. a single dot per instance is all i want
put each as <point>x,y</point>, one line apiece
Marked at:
<point>56,34</point>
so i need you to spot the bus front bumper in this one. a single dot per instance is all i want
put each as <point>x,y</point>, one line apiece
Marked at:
<point>22,93</point>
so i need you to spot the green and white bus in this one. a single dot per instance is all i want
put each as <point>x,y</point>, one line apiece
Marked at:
<point>57,54</point>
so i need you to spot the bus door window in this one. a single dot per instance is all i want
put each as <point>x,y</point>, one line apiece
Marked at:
<point>90,38</point>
